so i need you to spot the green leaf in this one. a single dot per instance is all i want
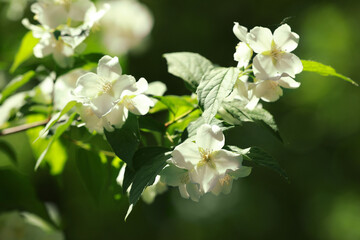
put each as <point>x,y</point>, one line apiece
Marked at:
<point>9,151</point>
<point>190,67</point>
<point>261,158</point>
<point>177,105</point>
<point>15,84</point>
<point>193,127</point>
<point>55,118</point>
<point>125,141</point>
<point>92,171</point>
<point>25,51</point>
<point>237,110</point>
<point>215,86</point>
<point>324,70</point>
<point>148,162</point>
<point>58,132</point>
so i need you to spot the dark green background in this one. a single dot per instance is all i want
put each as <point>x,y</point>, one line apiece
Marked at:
<point>320,123</point>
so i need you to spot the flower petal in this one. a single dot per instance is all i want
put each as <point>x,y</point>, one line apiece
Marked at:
<point>193,191</point>
<point>260,39</point>
<point>102,104</point>
<point>289,64</point>
<point>264,68</point>
<point>117,116</point>
<point>142,86</point>
<point>240,32</point>
<point>122,84</point>
<point>226,160</point>
<point>109,68</point>
<point>243,54</point>
<point>203,175</point>
<point>88,85</point>
<point>210,137</point>
<point>288,82</point>
<point>140,105</point>
<point>186,155</point>
<point>268,90</point>
<point>183,191</point>
<point>174,176</point>
<point>285,39</point>
<point>239,173</point>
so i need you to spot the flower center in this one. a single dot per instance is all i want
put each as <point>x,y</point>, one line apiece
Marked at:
<point>107,88</point>
<point>275,53</point>
<point>206,158</point>
<point>128,102</point>
<point>185,179</point>
<point>225,180</point>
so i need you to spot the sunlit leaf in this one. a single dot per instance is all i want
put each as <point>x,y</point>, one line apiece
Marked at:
<point>324,70</point>
<point>15,84</point>
<point>215,86</point>
<point>188,66</point>
<point>8,151</point>
<point>25,51</point>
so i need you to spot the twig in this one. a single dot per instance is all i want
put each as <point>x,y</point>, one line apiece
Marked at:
<point>180,117</point>
<point>24,127</point>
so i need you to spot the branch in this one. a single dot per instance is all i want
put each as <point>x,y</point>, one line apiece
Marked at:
<point>24,127</point>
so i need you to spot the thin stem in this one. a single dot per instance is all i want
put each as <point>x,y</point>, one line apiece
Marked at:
<point>180,117</point>
<point>24,127</point>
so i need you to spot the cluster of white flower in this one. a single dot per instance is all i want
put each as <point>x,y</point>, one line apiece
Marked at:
<point>274,66</point>
<point>105,98</point>
<point>64,25</point>
<point>200,165</point>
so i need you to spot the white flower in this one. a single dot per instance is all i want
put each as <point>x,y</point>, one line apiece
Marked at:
<point>274,58</point>
<point>205,159</point>
<point>125,25</point>
<point>64,85</point>
<point>178,177</point>
<point>243,91</point>
<point>150,192</point>
<point>112,95</point>
<point>243,52</point>
<point>270,90</point>
<point>223,183</point>
<point>92,122</point>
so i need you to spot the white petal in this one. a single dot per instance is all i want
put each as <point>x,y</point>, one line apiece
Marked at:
<point>240,32</point>
<point>268,90</point>
<point>88,85</point>
<point>183,191</point>
<point>226,160</point>
<point>142,86</point>
<point>186,155</point>
<point>285,39</point>
<point>243,54</point>
<point>242,172</point>
<point>174,176</point>
<point>50,14</point>
<point>289,64</point>
<point>156,88</point>
<point>78,9</point>
<point>102,104</point>
<point>204,176</point>
<point>210,137</point>
<point>264,68</point>
<point>117,116</point>
<point>193,191</point>
<point>260,39</point>
<point>288,82</point>
<point>43,48</point>
<point>92,122</point>
<point>122,84</point>
<point>109,68</point>
<point>140,105</point>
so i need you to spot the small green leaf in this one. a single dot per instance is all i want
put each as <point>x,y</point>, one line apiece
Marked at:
<point>9,151</point>
<point>215,86</point>
<point>148,162</point>
<point>25,51</point>
<point>58,132</point>
<point>177,105</point>
<point>125,141</point>
<point>260,158</point>
<point>55,118</point>
<point>190,67</point>
<point>92,171</point>
<point>237,110</point>
<point>15,84</point>
<point>324,70</point>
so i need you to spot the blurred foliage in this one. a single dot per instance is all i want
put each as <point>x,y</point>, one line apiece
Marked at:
<point>319,122</point>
